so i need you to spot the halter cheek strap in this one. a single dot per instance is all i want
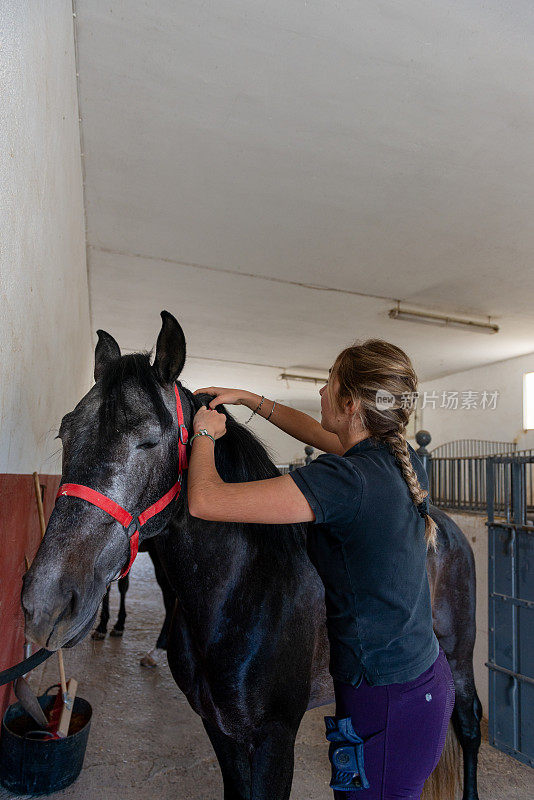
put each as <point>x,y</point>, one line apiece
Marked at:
<point>129,522</point>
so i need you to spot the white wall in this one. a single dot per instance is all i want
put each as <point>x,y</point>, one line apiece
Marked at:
<point>505,423</point>
<point>45,359</point>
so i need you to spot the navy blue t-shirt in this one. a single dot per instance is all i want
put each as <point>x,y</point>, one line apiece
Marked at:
<point>368,545</point>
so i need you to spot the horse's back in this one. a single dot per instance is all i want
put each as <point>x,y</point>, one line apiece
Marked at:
<point>451,538</point>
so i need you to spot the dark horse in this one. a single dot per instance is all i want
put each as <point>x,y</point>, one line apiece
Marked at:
<point>248,643</point>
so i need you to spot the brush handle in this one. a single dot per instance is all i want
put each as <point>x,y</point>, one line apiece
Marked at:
<point>62,675</point>
<point>39,500</point>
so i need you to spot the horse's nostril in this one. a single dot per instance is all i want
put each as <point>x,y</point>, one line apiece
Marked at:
<point>27,606</point>
<point>72,602</point>
<point>26,583</point>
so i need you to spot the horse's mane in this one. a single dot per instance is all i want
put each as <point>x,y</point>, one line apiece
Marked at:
<point>239,454</point>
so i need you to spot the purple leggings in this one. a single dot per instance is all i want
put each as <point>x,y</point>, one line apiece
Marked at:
<point>403,725</point>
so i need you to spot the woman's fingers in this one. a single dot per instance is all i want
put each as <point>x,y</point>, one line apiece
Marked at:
<point>218,400</point>
<point>222,395</point>
<point>217,391</point>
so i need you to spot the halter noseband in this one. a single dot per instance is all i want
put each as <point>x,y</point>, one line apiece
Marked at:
<point>129,522</point>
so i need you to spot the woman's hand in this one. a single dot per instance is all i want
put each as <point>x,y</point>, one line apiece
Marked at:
<point>231,397</point>
<point>210,420</point>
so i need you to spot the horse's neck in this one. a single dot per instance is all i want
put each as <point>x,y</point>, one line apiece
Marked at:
<point>205,561</point>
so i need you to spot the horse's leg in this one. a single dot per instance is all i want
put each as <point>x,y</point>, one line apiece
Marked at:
<point>455,627</point>
<point>169,600</point>
<point>273,763</point>
<point>100,631</point>
<point>234,762</point>
<point>466,718</point>
<point>118,628</point>
<point>169,596</point>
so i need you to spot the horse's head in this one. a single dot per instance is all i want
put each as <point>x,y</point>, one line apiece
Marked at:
<point>122,441</point>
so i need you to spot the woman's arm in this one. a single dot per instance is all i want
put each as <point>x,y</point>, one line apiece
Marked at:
<point>297,424</point>
<point>271,501</point>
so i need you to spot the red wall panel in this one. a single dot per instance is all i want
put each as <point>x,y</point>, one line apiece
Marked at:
<point>19,536</point>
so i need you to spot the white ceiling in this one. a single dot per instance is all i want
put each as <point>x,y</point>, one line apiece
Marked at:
<point>239,152</point>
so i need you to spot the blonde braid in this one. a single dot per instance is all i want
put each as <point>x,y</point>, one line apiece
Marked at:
<point>399,448</point>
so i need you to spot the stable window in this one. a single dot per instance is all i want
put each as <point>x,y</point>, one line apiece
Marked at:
<point>528,401</point>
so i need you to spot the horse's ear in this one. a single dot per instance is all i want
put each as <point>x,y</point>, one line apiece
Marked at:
<point>170,349</point>
<point>106,350</point>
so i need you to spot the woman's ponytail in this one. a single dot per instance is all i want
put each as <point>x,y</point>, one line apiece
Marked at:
<point>399,447</point>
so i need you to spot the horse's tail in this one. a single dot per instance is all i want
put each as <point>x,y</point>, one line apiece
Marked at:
<point>445,782</point>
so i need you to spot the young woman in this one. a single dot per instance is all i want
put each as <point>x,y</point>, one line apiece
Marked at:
<point>368,499</point>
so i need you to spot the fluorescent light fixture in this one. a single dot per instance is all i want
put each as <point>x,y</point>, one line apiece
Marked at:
<point>528,401</point>
<point>443,321</point>
<point>287,376</point>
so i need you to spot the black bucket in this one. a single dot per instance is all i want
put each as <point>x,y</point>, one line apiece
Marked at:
<point>31,762</point>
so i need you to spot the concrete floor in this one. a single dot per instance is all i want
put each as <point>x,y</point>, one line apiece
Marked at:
<point>146,741</point>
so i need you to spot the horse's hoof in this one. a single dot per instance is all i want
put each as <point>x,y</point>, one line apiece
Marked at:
<point>98,635</point>
<point>115,632</point>
<point>148,661</point>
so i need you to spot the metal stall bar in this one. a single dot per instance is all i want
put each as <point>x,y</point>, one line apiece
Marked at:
<point>510,607</point>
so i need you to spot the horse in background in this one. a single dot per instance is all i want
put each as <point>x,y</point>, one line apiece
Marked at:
<point>123,584</point>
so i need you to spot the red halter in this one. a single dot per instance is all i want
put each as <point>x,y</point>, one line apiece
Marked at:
<point>130,523</point>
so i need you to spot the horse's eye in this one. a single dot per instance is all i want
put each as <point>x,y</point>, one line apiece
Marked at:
<point>148,445</point>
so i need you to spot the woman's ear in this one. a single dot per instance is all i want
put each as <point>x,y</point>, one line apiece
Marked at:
<point>353,410</point>
<point>352,407</point>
